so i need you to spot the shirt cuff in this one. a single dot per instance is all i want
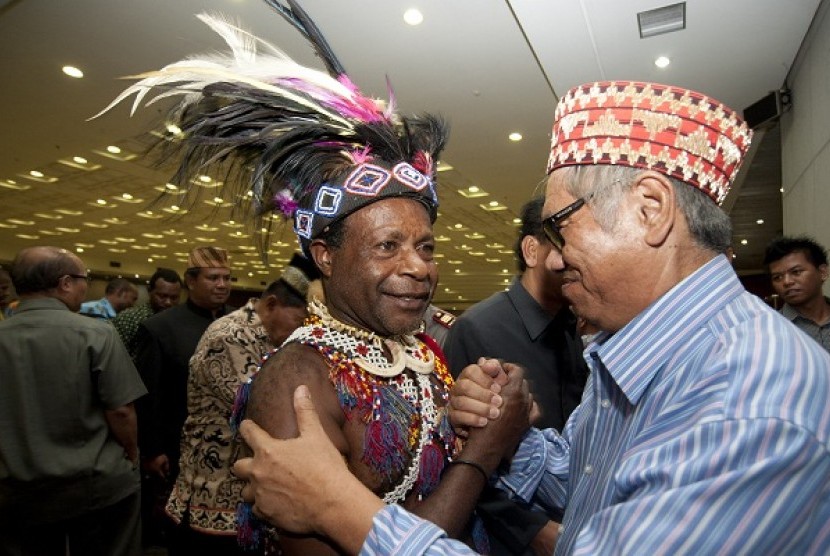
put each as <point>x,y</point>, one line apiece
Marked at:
<point>396,531</point>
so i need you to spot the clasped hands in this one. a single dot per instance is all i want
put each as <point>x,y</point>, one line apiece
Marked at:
<point>303,485</point>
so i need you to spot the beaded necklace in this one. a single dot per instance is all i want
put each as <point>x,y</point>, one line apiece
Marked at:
<point>401,416</point>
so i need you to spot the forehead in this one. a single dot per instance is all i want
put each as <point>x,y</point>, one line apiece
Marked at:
<point>796,258</point>
<point>213,272</point>
<point>389,215</point>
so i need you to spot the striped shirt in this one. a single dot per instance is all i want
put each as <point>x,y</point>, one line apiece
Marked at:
<point>704,429</point>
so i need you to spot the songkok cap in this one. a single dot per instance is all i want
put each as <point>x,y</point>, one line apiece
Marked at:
<point>207,257</point>
<point>299,273</point>
<point>677,132</point>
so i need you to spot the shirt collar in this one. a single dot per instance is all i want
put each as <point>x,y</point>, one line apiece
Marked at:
<point>221,312</point>
<point>635,353</point>
<point>38,303</point>
<point>791,313</point>
<point>534,318</point>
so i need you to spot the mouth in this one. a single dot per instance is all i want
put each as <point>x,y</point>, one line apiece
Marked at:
<point>410,299</point>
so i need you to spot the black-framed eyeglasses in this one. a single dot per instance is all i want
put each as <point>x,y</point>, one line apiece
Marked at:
<point>84,277</point>
<point>550,225</point>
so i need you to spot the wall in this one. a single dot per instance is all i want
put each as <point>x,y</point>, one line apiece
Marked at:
<point>805,137</point>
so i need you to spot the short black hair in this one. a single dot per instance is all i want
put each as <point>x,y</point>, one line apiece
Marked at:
<point>531,226</point>
<point>783,246</point>
<point>285,294</point>
<point>166,274</point>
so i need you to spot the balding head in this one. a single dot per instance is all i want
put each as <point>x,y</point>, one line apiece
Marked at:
<point>50,272</point>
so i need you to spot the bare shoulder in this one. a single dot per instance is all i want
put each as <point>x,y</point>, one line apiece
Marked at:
<point>271,399</point>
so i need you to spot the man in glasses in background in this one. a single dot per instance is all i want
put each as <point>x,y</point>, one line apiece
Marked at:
<point>704,427</point>
<point>69,480</point>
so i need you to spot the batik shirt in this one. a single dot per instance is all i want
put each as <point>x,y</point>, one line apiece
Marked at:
<point>229,352</point>
<point>704,429</point>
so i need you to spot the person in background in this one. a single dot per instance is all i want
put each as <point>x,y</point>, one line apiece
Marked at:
<point>206,495</point>
<point>704,427</point>
<point>797,267</point>
<point>166,341</point>
<point>7,294</point>
<point>530,324</point>
<point>69,480</point>
<point>120,294</point>
<point>164,291</point>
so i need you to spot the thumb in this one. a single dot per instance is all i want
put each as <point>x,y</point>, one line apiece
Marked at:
<point>308,422</point>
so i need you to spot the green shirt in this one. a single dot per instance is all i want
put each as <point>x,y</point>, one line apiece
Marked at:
<point>60,371</point>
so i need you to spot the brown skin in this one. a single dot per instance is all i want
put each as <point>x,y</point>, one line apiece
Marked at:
<point>71,291</point>
<point>798,282</point>
<point>123,299</point>
<point>164,295</point>
<point>321,497</point>
<point>542,279</point>
<point>6,289</point>
<point>379,279</point>
<point>210,289</point>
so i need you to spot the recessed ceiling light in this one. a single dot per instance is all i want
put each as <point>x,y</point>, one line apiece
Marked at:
<point>174,129</point>
<point>205,179</point>
<point>759,221</point>
<point>517,220</point>
<point>101,201</point>
<point>79,250</point>
<point>515,136</point>
<point>126,196</point>
<point>744,242</point>
<point>413,16</point>
<point>473,189</point>
<point>79,159</point>
<point>781,190</point>
<point>36,174</point>
<point>113,149</point>
<point>458,226</point>
<point>662,62</point>
<point>72,71</point>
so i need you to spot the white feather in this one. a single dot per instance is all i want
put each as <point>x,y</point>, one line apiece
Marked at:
<point>243,65</point>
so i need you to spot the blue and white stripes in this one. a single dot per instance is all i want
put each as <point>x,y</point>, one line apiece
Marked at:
<point>704,429</point>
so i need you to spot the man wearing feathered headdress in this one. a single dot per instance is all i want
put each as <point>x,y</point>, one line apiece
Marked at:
<point>357,179</point>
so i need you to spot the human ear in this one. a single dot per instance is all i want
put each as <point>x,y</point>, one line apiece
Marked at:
<point>530,251</point>
<point>321,254</point>
<point>656,203</point>
<point>823,272</point>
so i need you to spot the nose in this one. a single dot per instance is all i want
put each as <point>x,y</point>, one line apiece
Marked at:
<point>554,260</point>
<point>413,264</point>
<point>788,279</point>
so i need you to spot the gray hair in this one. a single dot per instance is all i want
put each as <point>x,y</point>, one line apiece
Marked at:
<point>603,187</point>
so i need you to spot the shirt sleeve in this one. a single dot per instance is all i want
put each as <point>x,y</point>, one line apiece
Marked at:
<point>396,531</point>
<point>730,486</point>
<point>539,469</point>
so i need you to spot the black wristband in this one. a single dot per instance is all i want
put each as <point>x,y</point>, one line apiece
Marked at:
<point>472,464</point>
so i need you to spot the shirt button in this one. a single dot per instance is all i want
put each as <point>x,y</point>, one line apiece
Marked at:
<point>561,529</point>
<point>606,404</point>
<point>588,469</point>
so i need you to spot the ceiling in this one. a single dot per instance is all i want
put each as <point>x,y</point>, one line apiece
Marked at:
<point>492,67</point>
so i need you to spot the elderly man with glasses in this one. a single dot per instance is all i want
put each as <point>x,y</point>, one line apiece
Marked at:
<point>704,427</point>
<point>69,480</point>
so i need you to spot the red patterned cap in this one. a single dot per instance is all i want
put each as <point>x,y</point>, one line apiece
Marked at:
<point>677,132</point>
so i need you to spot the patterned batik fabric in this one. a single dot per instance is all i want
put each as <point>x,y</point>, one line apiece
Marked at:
<point>228,354</point>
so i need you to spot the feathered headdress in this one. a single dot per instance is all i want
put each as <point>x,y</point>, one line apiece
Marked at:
<point>294,140</point>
